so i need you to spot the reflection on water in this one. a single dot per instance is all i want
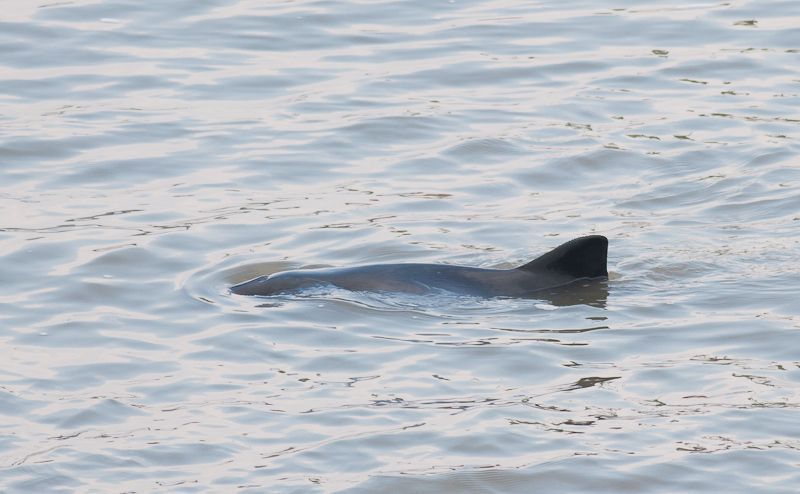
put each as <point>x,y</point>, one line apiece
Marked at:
<point>154,154</point>
<point>589,292</point>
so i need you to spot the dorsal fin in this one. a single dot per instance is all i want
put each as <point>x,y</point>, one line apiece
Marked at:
<point>584,257</point>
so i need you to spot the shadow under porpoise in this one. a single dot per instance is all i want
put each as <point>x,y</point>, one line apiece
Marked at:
<point>572,273</point>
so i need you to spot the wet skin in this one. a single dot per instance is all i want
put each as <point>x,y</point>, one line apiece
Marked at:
<point>582,258</point>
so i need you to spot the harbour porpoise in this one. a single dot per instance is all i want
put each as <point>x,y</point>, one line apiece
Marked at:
<point>578,259</point>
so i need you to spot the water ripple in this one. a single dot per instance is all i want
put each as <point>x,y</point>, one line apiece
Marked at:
<point>153,155</point>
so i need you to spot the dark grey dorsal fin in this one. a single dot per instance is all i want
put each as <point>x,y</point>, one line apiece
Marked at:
<point>584,257</point>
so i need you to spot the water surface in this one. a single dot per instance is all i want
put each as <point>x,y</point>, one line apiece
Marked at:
<point>153,155</point>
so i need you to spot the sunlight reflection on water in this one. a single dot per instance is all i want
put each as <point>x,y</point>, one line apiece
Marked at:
<point>153,155</point>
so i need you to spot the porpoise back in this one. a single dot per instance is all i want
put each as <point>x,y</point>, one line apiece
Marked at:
<point>581,258</point>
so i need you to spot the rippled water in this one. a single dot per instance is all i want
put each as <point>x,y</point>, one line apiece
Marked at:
<point>152,154</point>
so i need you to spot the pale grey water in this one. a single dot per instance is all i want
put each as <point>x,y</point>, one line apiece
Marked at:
<point>151,154</point>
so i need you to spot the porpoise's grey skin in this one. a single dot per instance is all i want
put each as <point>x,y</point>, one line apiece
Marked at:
<point>582,258</point>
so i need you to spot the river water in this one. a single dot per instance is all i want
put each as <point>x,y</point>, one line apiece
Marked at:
<point>154,153</point>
